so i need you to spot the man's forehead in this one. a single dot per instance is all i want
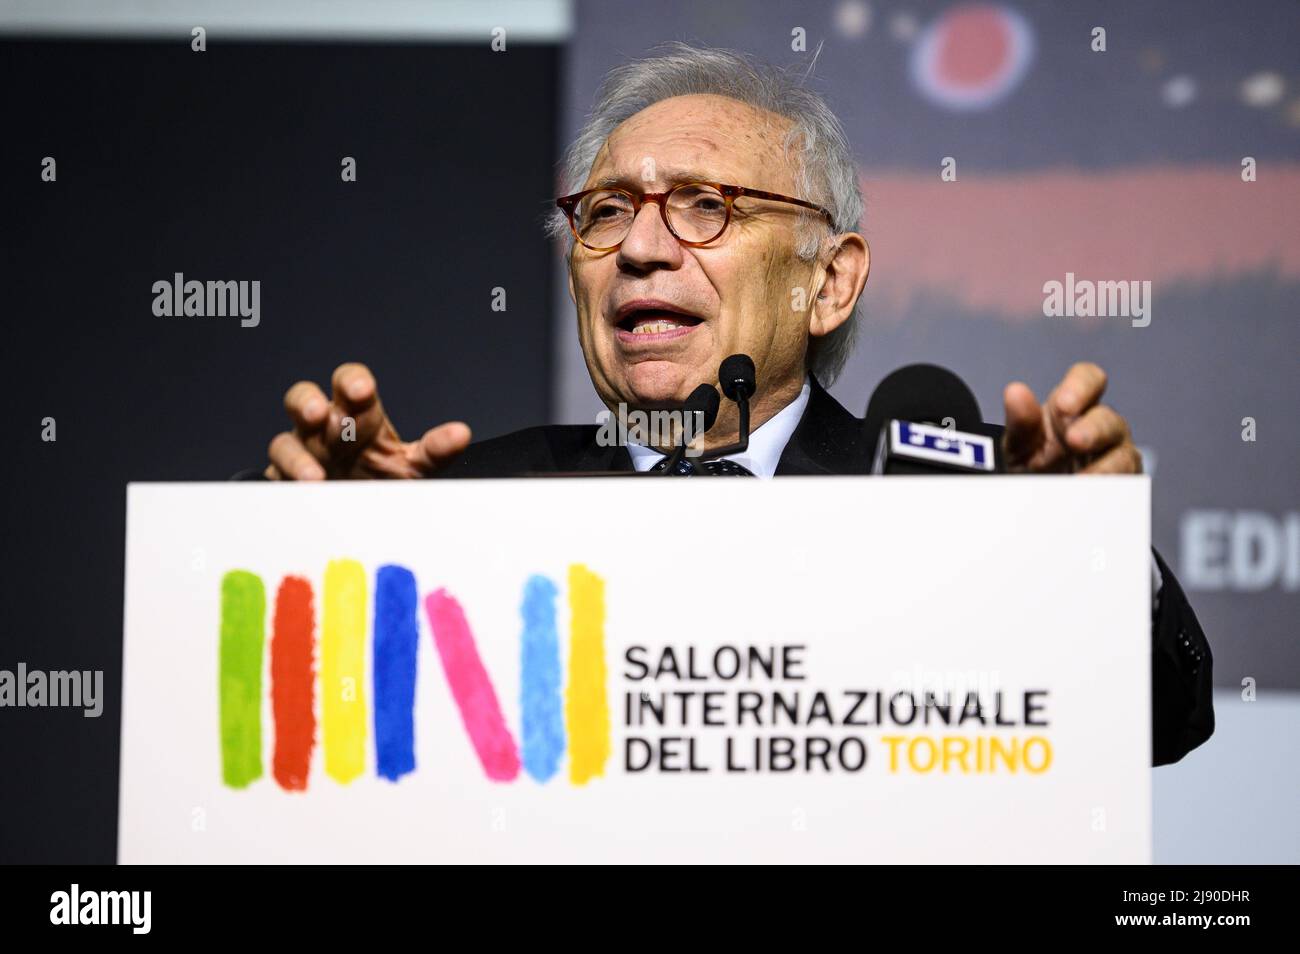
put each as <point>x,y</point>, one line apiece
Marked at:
<point>695,137</point>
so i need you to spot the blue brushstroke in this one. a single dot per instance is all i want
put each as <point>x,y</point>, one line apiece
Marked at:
<point>539,690</point>
<point>397,637</point>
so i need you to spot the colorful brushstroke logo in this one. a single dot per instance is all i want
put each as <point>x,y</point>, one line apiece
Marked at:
<point>556,720</point>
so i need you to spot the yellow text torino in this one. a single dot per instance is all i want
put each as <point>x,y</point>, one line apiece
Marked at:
<point>968,754</point>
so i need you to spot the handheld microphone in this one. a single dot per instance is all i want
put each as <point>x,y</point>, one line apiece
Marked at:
<point>738,379</point>
<point>925,393</point>
<point>923,419</point>
<point>703,401</point>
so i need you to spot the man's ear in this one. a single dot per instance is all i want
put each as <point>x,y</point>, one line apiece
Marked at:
<point>845,276</point>
<point>568,267</point>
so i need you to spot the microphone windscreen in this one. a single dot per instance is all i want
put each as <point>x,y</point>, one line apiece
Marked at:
<point>737,372</point>
<point>706,401</point>
<point>922,393</point>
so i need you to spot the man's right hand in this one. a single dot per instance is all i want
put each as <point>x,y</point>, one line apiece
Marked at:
<point>323,444</point>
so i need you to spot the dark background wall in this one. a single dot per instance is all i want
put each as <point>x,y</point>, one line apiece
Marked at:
<point>226,166</point>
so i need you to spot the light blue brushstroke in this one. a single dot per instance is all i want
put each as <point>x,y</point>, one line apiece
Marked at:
<point>539,689</point>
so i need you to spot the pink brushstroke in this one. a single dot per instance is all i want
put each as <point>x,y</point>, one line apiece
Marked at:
<point>471,687</point>
<point>991,241</point>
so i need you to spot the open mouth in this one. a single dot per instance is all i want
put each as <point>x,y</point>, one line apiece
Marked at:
<point>654,324</point>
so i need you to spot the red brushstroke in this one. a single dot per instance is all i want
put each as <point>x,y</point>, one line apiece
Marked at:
<point>991,241</point>
<point>293,679</point>
<point>471,687</point>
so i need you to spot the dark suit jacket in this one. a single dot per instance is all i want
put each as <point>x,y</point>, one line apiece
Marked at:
<point>830,440</point>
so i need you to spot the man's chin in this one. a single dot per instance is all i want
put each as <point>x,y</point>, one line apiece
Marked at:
<point>652,382</point>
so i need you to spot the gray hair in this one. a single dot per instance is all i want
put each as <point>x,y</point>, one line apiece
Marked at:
<point>816,146</point>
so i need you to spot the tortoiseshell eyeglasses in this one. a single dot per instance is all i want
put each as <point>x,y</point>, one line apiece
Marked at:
<point>697,213</point>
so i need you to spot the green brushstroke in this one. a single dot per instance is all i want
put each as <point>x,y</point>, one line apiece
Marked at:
<point>243,615</point>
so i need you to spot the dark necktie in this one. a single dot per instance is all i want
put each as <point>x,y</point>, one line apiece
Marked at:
<point>710,468</point>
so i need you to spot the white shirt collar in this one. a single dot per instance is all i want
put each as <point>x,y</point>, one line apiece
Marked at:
<point>766,444</point>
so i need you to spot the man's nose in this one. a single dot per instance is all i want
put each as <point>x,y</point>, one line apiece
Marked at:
<point>649,244</point>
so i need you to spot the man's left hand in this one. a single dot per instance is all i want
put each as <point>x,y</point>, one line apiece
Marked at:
<point>1070,431</point>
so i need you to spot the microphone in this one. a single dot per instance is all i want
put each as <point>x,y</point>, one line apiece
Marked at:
<point>924,393</point>
<point>923,419</point>
<point>737,377</point>
<point>703,401</point>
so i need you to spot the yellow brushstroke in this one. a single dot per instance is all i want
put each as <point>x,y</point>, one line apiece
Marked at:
<point>586,706</point>
<point>343,661</point>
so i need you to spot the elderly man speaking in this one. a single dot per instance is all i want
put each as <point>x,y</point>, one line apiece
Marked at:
<point>712,210</point>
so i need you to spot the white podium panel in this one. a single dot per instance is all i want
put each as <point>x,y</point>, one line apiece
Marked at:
<point>809,669</point>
